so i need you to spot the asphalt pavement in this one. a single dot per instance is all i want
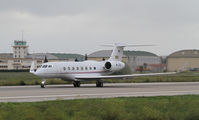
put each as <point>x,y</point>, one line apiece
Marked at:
<point>65,92</point>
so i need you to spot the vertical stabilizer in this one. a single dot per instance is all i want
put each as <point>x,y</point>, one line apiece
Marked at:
<point>117,53</point>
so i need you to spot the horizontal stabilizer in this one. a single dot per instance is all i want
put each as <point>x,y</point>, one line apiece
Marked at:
<point>126,45</point>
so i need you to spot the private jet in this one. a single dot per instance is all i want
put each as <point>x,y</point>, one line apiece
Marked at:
<point>88,70</point>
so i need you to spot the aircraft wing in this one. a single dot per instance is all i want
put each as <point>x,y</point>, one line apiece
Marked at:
<point>123,76</point>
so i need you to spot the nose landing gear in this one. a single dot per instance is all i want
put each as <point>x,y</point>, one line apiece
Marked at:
<point>43,83</point>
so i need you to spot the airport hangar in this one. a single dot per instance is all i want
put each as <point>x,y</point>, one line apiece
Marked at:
<point>183,60</point>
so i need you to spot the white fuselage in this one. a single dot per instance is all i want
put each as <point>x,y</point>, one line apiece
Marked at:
<point>70,70</point>
<point>87,70</point>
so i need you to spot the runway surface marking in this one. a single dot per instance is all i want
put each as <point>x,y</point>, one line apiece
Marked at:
<point>63,92</point>
<point>73,95</point>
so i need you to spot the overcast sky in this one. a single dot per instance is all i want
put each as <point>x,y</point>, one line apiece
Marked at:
<point>81,26</point>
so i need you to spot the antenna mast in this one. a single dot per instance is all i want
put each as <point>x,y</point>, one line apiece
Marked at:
<point>22,35</point>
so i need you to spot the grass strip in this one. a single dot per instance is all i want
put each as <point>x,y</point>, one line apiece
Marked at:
<point>133,108</point>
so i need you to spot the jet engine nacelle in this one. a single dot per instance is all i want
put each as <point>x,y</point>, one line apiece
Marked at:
<point>114,65</point>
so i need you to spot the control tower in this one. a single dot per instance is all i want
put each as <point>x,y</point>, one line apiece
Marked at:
<point>20,49</point>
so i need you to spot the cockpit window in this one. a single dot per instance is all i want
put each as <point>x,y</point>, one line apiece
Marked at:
<point>49,66</point>
<point>44,66</point>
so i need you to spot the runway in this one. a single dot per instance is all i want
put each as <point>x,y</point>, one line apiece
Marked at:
<point>64,92</point>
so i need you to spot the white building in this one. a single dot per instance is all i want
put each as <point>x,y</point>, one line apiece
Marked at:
<point>20,59</point>
<point>20,49</point>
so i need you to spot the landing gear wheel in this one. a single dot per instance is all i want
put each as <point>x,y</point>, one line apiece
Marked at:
<point>42,86</point>
<point>43,83</point>
<point>99,84</point>
<point>76,83</point>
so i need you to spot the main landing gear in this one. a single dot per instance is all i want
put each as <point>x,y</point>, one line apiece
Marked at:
<point>43,83</point>
<point>76,83</point>
<point>99,83</point>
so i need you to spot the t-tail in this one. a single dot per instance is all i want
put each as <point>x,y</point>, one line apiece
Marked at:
<point>117,53</point>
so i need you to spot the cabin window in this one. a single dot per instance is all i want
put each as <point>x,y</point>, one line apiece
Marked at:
<point>44,66</point>
<point>90,68</point>
<point>50,66</point>
<point>77,68</point>
<point>82,68</point>
<point>64,68</point>
<point>73,68</point>
<point>94,68</point>
<point>68,68</point>
<point>86,68</point>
